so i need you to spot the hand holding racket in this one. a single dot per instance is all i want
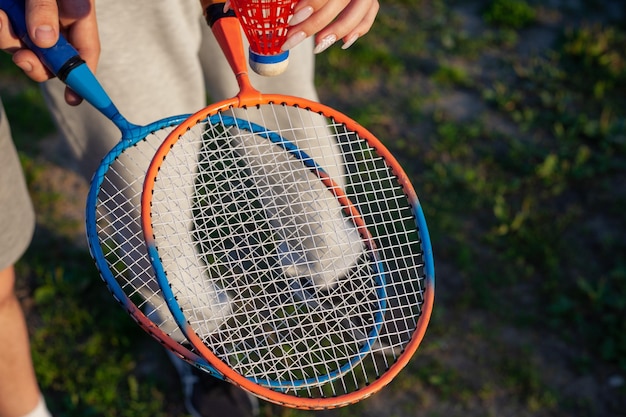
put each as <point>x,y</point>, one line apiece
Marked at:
<point>112,211</point>
<point>311,228</point>
<point>78,20</point>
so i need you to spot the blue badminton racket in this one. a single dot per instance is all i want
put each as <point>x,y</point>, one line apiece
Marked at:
<point>112,209</point>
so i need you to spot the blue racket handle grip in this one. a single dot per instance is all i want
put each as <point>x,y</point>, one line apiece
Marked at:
<point>62,60</point>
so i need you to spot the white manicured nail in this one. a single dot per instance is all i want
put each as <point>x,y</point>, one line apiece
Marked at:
<point>350,41</point>
<point>301,15</point>
<point>293,40</point>
<point>325,43</point>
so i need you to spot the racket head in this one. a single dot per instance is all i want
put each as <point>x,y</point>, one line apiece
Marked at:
<point>115,239</point>
<point>265,24</point>
<point>402,288</point>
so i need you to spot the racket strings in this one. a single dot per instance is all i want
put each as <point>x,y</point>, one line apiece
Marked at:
<point>384,205</point>
<point>119,232</point>
<point>264,220</point>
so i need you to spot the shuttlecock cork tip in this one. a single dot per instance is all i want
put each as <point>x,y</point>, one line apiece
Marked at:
<point>269,65</point>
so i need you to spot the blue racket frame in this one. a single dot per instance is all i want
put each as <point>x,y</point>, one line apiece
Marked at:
<point>63,60</point>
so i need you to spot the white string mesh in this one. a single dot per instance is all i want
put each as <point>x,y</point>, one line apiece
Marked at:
<point>270,267</point>
<point>119,234</point>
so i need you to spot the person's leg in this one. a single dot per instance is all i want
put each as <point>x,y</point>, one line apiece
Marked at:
<point>19,392</point>
<point>17,217</point>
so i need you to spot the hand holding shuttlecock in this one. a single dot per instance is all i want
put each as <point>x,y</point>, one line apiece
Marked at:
<point>273,27</point>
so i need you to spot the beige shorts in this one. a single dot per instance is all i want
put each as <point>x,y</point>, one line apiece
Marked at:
<point>17,218</point>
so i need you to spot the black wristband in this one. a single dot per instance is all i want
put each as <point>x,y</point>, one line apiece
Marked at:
<point>214,12</point>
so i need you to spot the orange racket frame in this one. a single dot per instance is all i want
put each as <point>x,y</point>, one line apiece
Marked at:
<point>227,33</point>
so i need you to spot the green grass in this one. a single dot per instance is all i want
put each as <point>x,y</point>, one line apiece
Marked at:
<point>524,198</point>
<point>512,14</point>
<point>85,347</point>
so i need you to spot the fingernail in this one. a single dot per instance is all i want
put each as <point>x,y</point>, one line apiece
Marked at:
<point>293,40</point>
<point>24,66</point>
<point>350,41</point>
<point>44,33</point>
<point>324,44</point>
<point>301,15</point>
<point>226,6</point>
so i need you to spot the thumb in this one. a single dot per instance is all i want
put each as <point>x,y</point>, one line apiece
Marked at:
<point>42,21</point>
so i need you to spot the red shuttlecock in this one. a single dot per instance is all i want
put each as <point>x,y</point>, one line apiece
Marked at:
<point>265,24</point>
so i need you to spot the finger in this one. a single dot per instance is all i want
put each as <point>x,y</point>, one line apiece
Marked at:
<point>324,12</point>
<point>80,17</point>
<point>23,58</point>
<point>356,18</point>
<point>331,20</point>
<point>42,21</point>
<point>31,65</point>
<point>309,17</point>
<point>362,28</point>
<point>72,98</point>
<point>83,35</point>
<point>8,41</point>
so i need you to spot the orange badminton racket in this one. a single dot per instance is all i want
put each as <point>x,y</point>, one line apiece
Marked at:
<point>312,280</point>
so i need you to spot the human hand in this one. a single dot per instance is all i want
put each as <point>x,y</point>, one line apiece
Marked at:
<point>76,19</point>
<point>331,20</point>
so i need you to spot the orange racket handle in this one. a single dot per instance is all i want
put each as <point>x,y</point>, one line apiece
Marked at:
<point>227,32</point>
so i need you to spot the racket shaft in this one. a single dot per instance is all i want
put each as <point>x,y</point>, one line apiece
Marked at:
<point>226,29</point>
